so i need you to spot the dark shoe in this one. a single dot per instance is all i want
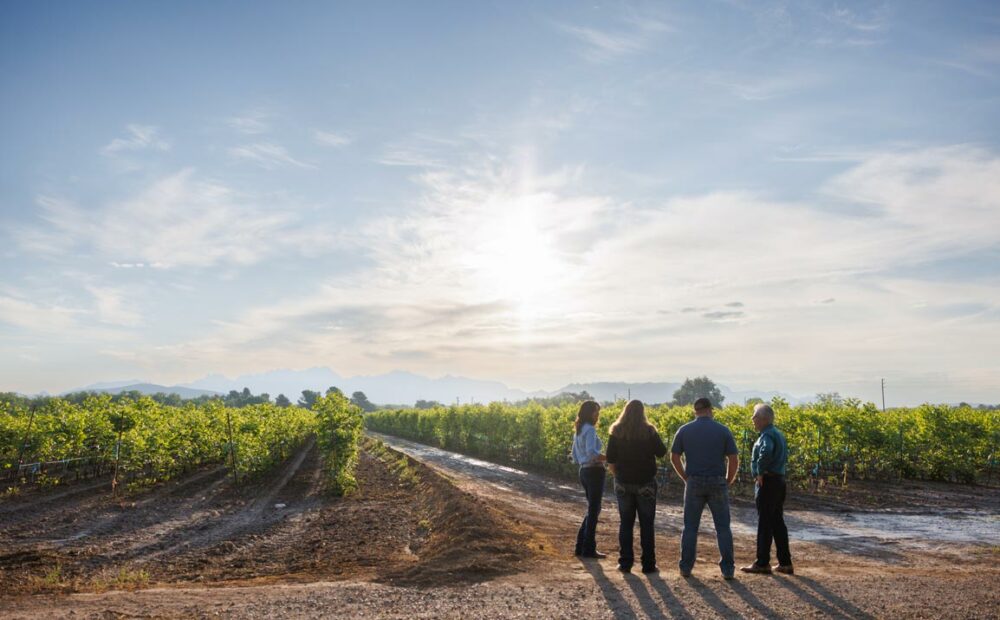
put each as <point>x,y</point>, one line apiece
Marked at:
<point>624,569</point>
<point>784,570</point>
<point>756,568</point>
<point>685,573</point>
<point>595,555</point>
<point>650,569</point>
<point>728,577</point>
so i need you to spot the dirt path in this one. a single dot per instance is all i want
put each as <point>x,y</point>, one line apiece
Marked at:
<point>931,564</point>
<point>445,536</point>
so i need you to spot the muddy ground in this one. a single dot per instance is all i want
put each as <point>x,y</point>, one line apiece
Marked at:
<point>464,538</point>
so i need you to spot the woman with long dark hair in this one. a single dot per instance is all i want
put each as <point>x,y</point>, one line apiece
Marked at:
<point>633,447</point>
<point>587,449</point>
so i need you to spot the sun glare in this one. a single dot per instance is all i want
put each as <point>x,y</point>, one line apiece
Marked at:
<point>513,259</point>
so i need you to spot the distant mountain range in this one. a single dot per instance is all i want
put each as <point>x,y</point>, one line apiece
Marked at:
<point>117,387</point>
<point>405,388</point>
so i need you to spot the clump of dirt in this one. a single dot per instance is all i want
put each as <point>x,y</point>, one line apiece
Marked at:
<point>460,538</point>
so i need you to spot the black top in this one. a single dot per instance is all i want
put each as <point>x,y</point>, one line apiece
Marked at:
<point>635,459</point>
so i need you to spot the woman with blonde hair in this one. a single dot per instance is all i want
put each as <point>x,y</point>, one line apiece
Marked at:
<point>633,447</point>
<point>587,448</point>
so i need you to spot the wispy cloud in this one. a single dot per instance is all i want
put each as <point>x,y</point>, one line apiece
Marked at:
<point>267,155</point>
<point>634,33</point>
<point>329,138</point>
<point>179,220</point>
<point>37,317</point>
<point>516,263</point>
<point>139,137</point>
<point>763,88</point>
<point>254,122</point>
<point>113,307</point>
<point>874,19</point>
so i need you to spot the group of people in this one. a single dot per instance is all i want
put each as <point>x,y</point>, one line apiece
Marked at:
<point>705,457</point>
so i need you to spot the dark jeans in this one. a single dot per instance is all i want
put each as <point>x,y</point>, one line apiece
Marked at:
<point>592,479</point>
<point>699,491</point>
<point>770,500</point>
<point>636,500</point>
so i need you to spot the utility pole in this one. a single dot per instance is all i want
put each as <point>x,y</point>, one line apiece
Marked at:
<point>883,395</point>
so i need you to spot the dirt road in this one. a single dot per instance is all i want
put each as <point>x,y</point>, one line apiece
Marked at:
<point>456,538</point>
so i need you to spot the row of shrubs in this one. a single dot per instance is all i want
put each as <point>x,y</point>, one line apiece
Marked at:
<point>934,442</point>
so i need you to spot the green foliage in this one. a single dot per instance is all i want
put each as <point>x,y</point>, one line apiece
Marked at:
<point>339,426</point>
<point>308,398</point>
<point>936,442</point>
<point>157,441</point>
<point>699,387</point>
<point>359,399</point>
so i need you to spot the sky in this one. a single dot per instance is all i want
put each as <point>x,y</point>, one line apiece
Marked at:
<point>801,196</point>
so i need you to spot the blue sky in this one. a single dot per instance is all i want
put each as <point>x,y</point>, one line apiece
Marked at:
<point>796,195</point>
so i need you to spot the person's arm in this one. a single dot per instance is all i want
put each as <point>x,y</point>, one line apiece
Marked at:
<point>612,456</point>
<point>659,450</point>
<point>733,456</point>
<point>734,467</point>
<point>592,451</point>
<point>675,460</point>
<point>765,457</point>
<point>676,449</point>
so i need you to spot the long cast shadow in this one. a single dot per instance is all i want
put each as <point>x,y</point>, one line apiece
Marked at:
<point>849,608</point>
<point>616,602</point>
<point>645,599</point>
<point>810,598</point>
<point>712,599</point>
<point>751,599</point>
<point>673,604</point>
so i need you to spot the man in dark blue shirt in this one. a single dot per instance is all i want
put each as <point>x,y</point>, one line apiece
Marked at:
<point>770,456</point>
<point>711,461</point>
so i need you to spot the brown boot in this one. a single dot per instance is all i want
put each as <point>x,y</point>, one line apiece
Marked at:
<point>784,569</point>
<point>755,568</point>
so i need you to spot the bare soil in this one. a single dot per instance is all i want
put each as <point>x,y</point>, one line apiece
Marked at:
<point>439,535</point>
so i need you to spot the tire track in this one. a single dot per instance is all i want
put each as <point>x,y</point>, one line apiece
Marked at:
<point>258,514</point>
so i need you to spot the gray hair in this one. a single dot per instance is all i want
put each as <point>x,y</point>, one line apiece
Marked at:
<point>764,410</point>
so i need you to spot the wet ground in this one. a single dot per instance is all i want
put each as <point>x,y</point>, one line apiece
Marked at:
<point>836,524</point>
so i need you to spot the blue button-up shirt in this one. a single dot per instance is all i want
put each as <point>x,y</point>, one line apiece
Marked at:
<point>587,446</point>
<point>770,453</point>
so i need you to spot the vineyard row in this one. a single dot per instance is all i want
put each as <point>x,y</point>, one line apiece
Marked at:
<point>934,442</point>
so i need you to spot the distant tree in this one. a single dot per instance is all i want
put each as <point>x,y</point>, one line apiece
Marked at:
<point>561,398</point>
<point>282,401</point>
<point>426,404</point>
<point>829,399</point>
<point>699,387</point>
<point>334,390</point>
<point>173,400</point>
<point>308,399</point>
<point>359,399</point>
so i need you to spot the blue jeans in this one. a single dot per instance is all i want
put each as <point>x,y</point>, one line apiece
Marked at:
<point>636,500</point>
<point>592,479</point>
<point>714,491</point>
